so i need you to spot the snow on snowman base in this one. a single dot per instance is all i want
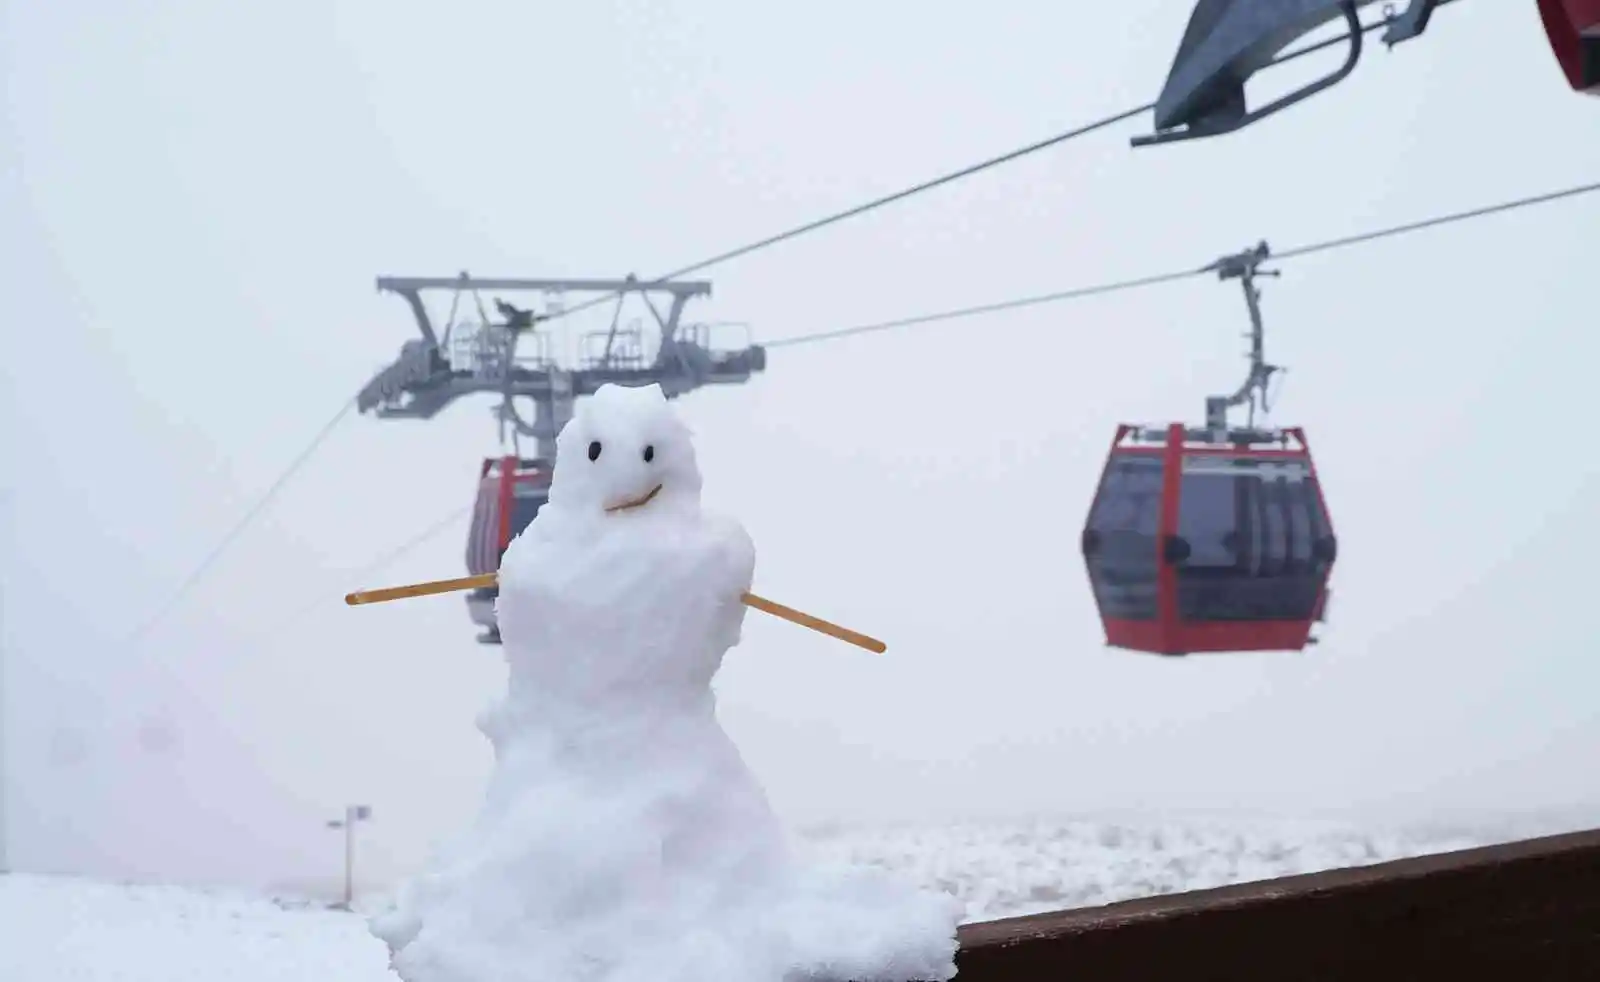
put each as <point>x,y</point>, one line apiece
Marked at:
<point>622,838</point>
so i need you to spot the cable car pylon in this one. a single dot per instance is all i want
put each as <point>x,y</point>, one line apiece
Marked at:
<point>517,357</point>
<point>1212,538</point>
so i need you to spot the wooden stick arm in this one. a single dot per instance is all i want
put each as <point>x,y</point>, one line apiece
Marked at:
<point>485,580</point>
<point>421,589</point>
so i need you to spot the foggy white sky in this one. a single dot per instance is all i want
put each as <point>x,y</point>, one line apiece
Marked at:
<point>197,198</point>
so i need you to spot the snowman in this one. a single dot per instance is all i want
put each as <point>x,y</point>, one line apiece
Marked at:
<point>622,837</point>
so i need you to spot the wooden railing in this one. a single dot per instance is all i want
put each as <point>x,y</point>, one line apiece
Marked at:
<point>1526,911</point>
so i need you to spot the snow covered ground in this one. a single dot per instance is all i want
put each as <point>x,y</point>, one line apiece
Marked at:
<point>1002,869</point>
<point>59,929</point>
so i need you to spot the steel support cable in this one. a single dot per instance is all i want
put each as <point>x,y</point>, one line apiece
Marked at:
<point>244,521</point>
<point>953,176</point>
<point>1426,223</point>
<point>356,576</point>
<point>1145,281</point>
<point>987,308</point>
<point>874,204</point>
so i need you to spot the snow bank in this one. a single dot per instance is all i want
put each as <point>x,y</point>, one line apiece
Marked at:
<point>622,837</point>
<point>1011,868</point>
<point>65,929</point>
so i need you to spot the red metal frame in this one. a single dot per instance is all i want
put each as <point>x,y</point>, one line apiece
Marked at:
<point>499,477</point>
<point>1168,634</point>
<point>508,477</point>
<point>1570,26</point>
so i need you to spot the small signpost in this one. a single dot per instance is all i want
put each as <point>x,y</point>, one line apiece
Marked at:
<point>352,815</point>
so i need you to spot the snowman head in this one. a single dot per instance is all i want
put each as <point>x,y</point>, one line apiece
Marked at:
<point>624,451</point>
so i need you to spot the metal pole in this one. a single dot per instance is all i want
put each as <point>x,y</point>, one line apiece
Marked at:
<point>352,815</point>
<point>6,551</point>
<point>349,855</point>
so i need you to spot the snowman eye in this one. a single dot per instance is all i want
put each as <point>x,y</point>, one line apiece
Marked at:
<point>594,450</point>
<point>649,453</point>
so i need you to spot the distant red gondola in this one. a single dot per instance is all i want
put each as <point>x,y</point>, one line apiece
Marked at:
<point>511,490</point>
<point>1196,547</point>
<point>1216,538</point>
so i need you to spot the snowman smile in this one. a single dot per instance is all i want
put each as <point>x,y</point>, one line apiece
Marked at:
<point>638,502</point>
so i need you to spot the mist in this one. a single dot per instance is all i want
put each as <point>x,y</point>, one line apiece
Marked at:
<point>197,201</point>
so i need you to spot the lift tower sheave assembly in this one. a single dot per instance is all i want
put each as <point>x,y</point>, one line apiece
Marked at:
<point>519,354</point>
<point>485,355</point>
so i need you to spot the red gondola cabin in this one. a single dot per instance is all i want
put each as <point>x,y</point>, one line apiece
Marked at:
<point>511,490</point>
<point>1573,28</point>
<point>1198,546</point>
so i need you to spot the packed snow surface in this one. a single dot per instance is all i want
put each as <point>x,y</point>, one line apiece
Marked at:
<point>62,929</point>
<point>622,838</point>
<point>1011,868</point>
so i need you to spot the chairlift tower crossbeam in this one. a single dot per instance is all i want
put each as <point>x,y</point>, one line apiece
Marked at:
<point>434,370</point>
